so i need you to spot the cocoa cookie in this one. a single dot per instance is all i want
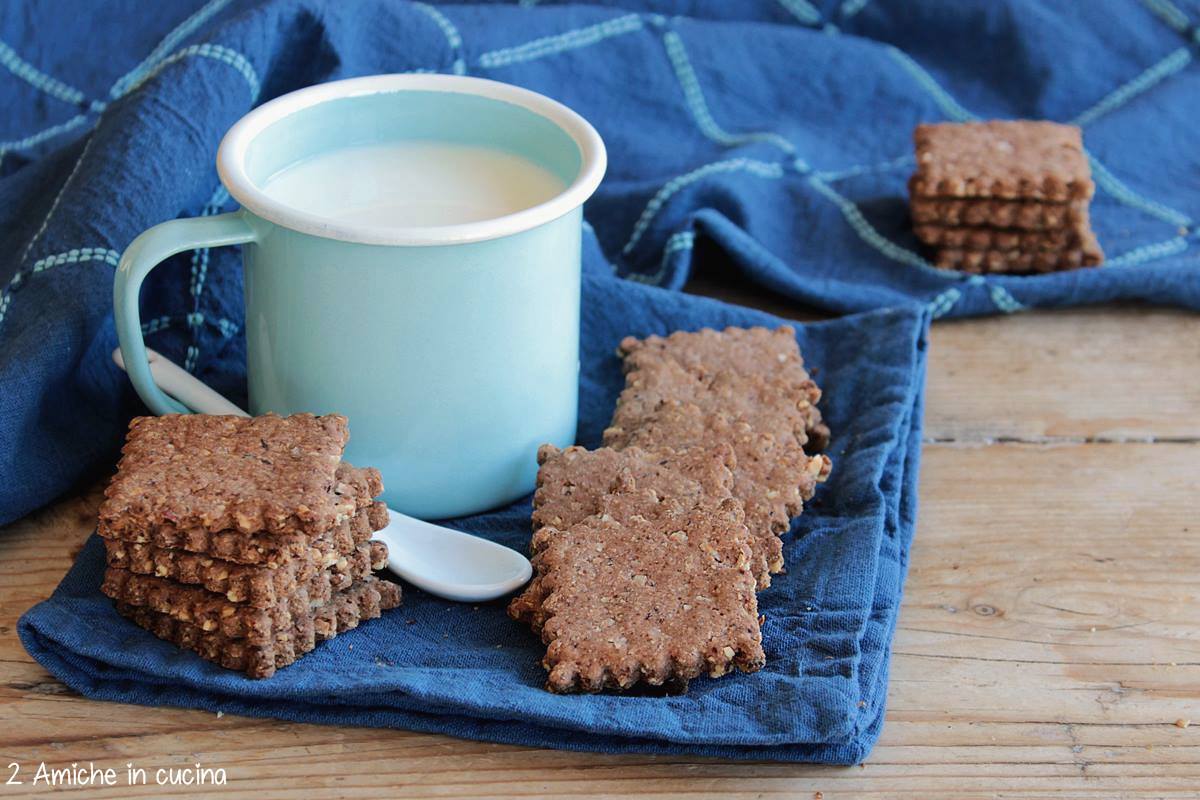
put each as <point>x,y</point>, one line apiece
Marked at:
<point>207,610</point>
<point>365,600</point>
<point>571,483</point>
<point>576,483</point>
<point>1003,239</point>
<point>221,473</point>
<point>324,571</point>
<point>212,612</point>
<point>646,600</point>
<point>772,477</point>
<point>772,404</point>
<point>1005,159</point>
<point>265,549</point>
<point>979,212</point>
<point>746,370</point>
<point>1085,254</point>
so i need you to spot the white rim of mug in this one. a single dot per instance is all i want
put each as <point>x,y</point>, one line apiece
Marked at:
<point>231,165</point>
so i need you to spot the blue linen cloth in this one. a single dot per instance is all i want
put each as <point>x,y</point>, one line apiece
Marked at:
<point>765,139</point>
<point>470,671</point>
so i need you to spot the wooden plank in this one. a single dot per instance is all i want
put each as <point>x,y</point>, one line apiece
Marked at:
<point>1096,373</point>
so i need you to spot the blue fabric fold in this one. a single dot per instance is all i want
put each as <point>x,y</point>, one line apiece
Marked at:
<point>470,671</point>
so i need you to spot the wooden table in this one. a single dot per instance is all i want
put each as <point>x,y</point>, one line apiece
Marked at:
<point>1049,642</point>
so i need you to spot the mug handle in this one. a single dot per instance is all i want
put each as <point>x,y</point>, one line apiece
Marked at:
<point>145,253</point>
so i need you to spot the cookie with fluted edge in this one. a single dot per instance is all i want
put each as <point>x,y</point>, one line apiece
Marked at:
<point>1002,159</point>
<point>1003,239</point>
<point>649,600</point>
<point>364,600</point>
<point>754,370</point>
<point>211,612</point>
<point>571,482</point>
<point>575,483</point>
<point>212,473</point>
<point>354,486</point>
<point>1029,215</point>
<point>326,570</point>
<point>1085,254</point>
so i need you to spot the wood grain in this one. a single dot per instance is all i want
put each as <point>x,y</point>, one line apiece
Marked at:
<point>1048,643</point>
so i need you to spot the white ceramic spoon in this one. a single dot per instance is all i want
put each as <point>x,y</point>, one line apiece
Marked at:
<point>444,562</point>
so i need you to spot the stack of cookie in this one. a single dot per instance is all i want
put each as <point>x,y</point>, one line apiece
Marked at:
<point>1003,196</point>
<point>247,540</point>
<point>648,551</point>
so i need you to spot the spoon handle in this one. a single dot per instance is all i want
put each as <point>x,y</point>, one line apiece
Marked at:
<point>183,386</point>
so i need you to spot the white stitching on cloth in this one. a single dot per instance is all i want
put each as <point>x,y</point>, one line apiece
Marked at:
<point>453,37</point>
<point>46,134</point>
<point>150,63</point>
<point>38,79</point>
<point>685,73</point>
<point>217,52</point>
<point>762,169</point>
<point>561,42</point>
<point>1169,13</point>
<point>1148,79</point>
<point>803,11</point>
<point>73,256</point>
<point>1149,252</point>
<point>679,241</point>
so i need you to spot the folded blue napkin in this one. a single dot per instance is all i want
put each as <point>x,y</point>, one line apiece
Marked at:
<point>470,671</point>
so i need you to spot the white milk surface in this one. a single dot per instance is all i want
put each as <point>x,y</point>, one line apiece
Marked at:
<point>414,183</point>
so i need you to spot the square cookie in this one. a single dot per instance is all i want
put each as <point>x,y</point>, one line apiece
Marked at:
<point>653,599</point>
<point>750,371</point>
<point>1005,159</point>
<point>217,473</point>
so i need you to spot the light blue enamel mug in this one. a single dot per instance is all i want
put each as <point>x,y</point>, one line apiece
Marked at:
<point>412,260</point>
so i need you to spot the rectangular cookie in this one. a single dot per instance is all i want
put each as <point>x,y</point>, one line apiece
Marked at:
<point>210,612</point>
<point>964,238</point>
<point>325,571</point>
<point>755,373</point>
<point>1087,254</point>
<point>576,483</point>
<point>195,605</point>
<point>355,486</point>
<point>769,404</point>
<point>364,600</point>
<point>1005,159</point>
<point>221,473</point>
<point>571,482</point>
<point>772,477</point>
<point>651,599</point>
<point>1029,215</point>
